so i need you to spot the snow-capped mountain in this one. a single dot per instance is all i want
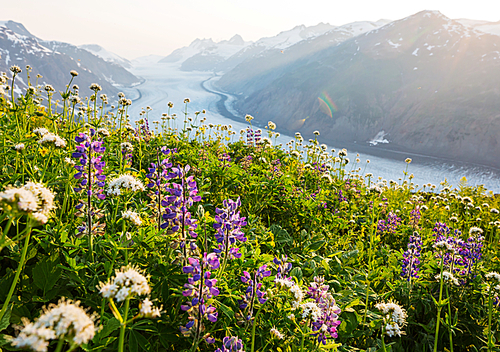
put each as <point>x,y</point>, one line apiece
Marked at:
<point>204,54</point>
<point>54,60</point>
<point>106,55</point>
<point>483,26</point>
<point>269,57</point>
<point>428,82</point>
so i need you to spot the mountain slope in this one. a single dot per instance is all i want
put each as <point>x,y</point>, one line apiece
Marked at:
<point>54,60</point>
<point>428,82</point>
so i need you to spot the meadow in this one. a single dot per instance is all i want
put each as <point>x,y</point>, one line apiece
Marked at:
<point>151,237</point>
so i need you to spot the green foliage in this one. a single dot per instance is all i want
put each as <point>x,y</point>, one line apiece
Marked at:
<point>320,212</point>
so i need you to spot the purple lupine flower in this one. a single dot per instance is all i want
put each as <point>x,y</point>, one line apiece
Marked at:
<point>325,326</point>
<point>341,197</point>
<point>415,217</point>
<point>390,225</point>
<point>231,344</point>
<point>257,136</point>
<point>250,137</point>
<point>254,290</point>
<point>90,175</point>
<point>411,257</point>
<point>200,288</point>
<point>182,196</point>
<point>225,159</point>
<point>228,224</point>
<point>158,176</point>
<point>283,267</point>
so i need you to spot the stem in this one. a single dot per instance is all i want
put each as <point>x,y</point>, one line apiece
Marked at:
<point>253,330</point>
<point>439,304</point>
<point>60,344</point>
<point>5,232</point>
<point>449,319</point>
<point>89,206</point>
<point>383,340</point>
<point>490,313</point>
<point>18,273</point>
<point>123,326</point>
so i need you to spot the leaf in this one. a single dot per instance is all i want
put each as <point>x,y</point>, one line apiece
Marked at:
<point>226,310</point>
<point>316,245</point>
<point>46,273</point>
<point>4,323</point>
<point>297,272</point>
<point>110,326</point>
<point>281,236</point>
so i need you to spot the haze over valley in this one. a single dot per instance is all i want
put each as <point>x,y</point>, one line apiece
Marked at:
<point>425,87</point>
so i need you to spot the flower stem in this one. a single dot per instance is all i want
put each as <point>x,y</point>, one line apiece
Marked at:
<point>383,340</point>
<point>60,345</point>
<point>18,273</point>
<point>438,318</point>
<point>449,319</point>
<point>123,326</point>
<point>490,313</point>
<point>253,330</point>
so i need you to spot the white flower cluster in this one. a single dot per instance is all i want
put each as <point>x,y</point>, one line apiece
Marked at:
<point>128,182</point>
<point>448,277</point>
<point>394,318</point>
<point>311,310</point>
<point>475,230</point>
<point>293,288</point>
<point>103,132</point>
<point>69,161</point>
<point>33,199</point>
<point>147,310</point>
<point>127,147</point>
<point>132,216</point>
<point>49,137</point>
<point>126,283</point>
<point>19,147</point>
<point>443,245</point>
<point>493,276</point>
<point>275,333</point>
<point>66,320</point>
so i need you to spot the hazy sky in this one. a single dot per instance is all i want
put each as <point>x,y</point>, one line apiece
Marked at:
<point>133,28</point>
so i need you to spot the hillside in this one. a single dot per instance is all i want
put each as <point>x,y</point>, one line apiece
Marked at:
<point>54,60</point>
<point>426,82</point>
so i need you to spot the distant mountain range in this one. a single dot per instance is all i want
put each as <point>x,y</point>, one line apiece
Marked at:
<point>54,60</point>
<point>425,83</point>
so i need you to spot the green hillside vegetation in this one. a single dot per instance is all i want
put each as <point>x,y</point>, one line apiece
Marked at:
<point>146,237</point>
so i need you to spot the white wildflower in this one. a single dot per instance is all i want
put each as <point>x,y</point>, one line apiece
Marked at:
<point>19,147</point>
<point>493,276</point>
<point>147,310</point>
<point>311,310</point>
<point>40,131</point>
<point>52,138</point>
<point>132,216</point>
<point>394,318</point>
<point>448,277</point>
<point>127,147</point>
<point>275,333</point>
<point>127,282</point>
<point>125,181</point>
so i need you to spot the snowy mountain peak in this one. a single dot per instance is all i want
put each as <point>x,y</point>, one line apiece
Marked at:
<point>106,55</point>
<point>17,28</point>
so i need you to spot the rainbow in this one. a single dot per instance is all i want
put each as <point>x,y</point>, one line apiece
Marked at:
<point>326,104</point>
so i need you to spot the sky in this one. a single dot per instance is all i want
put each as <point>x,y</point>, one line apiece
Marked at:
<point>133,28</point>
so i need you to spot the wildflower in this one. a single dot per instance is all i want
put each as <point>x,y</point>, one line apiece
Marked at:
<point>394,318</point>
<point>147,310</point>
<point>228,224</point>
<point>19,147</point>
<point>276,334</point>
<point>407,160</point>
<point>271,125</point>
<point>493,276</point>
<point>443,246</point>
<point>48,88</point>
<point>95,87</point>
<point>15,69</point>
<point>66,320</point>
<point>75,99</point>
<point>127,182</point>
<point>447,277</point>
<point>73,73</point>
<point>127,283</point>
<point>49,137</point>
<point>40,131</point>
<point>186,100</point>
<point>411,257</point>
<point>310,310</point>
<point>132,216</point>
<point>254,290</point>
<point>316,133</point>
<point>249,118</point>
<point>103,132</point>
<point>231,344</point>
<point>69,161</point>
<point>475,230</point>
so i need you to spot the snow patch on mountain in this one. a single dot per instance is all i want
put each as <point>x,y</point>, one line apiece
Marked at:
<point>106,55</point>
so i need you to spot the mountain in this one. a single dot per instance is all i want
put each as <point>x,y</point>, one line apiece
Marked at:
<point>427,83</point>
<point>205,54</point>
<point>54,60</point>
<point>106,55</point>
<point>260,63</point>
